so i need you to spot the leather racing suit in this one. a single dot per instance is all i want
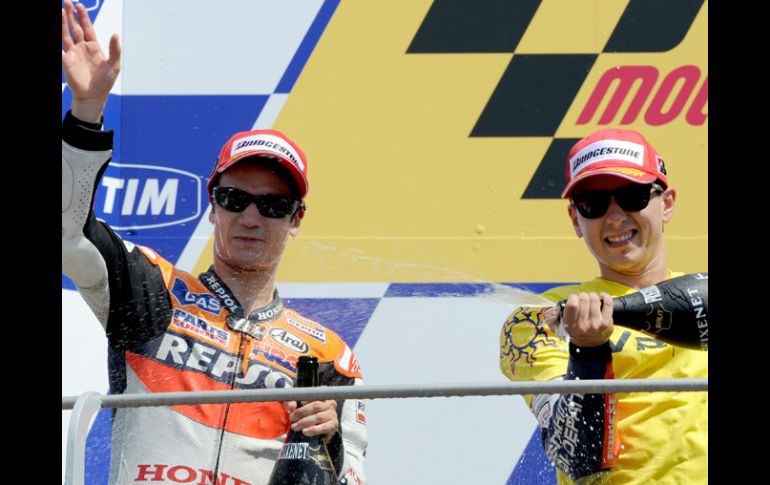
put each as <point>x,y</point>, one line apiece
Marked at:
<point>170,331</point>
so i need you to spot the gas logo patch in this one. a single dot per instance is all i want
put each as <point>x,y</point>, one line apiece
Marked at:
<point>205,301</point>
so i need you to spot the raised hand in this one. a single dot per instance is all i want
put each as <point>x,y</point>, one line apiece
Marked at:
<point>88,73</point>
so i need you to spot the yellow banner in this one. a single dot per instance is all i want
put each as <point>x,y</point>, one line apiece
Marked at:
<point>432,141</point>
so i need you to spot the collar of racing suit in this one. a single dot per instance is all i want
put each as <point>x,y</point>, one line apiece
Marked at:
<point>236,318</point>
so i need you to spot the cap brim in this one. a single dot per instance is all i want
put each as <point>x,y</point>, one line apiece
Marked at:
<point>644,178</point>
<point>298,176</point>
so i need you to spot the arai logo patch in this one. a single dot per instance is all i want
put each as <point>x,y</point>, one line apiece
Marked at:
<point>289,340</point>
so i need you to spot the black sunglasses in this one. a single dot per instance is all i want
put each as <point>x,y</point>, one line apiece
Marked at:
<point>269,205</point>
<point>631,198</point>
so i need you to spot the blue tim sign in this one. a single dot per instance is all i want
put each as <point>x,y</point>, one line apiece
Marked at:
<point>134,196</point>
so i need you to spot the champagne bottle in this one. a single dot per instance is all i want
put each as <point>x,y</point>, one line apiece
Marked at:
<point>674,311</point>
<point>304,459</point>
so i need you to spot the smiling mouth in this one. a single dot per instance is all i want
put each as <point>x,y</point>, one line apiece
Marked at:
<point>620,238</point>
<point>247,239</point>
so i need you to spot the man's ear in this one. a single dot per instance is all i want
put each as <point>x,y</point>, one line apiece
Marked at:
<point>573,217</point>
<point>669,200</point>
<point>296,220</point>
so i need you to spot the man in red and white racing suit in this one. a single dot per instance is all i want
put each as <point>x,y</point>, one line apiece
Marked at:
<point>225,329</point>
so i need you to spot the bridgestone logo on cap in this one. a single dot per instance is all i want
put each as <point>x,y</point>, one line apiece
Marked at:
<point>606,150</point>
<point>266,143</point>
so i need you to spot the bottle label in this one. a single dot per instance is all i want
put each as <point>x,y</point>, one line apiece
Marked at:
<point>701,318</point>
<point>663,319</point>
<point>651,294</point>
<point>294,451</point>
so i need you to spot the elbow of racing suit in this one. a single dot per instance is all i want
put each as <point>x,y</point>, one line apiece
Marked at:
<point>579,431</point>
<point>86,151</point>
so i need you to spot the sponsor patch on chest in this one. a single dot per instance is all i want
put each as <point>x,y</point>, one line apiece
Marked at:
<point>289,340</point>
<point>205,301</point>
<point>200,327</point>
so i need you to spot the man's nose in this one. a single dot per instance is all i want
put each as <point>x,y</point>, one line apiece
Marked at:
<point>250,216</point>
<point>615,213</point>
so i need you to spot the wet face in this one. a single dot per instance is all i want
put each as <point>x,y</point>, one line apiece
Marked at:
<point>623,241</point>
<point>249,241</point>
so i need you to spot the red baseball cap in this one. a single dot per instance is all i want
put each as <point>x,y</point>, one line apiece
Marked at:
<point>621,153</point>
<point>270,144</point>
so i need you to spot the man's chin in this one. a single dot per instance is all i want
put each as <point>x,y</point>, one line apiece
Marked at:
<point>626,265</point>
<point>249,267</point>
<point>246,265</point>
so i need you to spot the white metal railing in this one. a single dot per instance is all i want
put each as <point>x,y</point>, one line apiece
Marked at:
<point>87,404</point>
